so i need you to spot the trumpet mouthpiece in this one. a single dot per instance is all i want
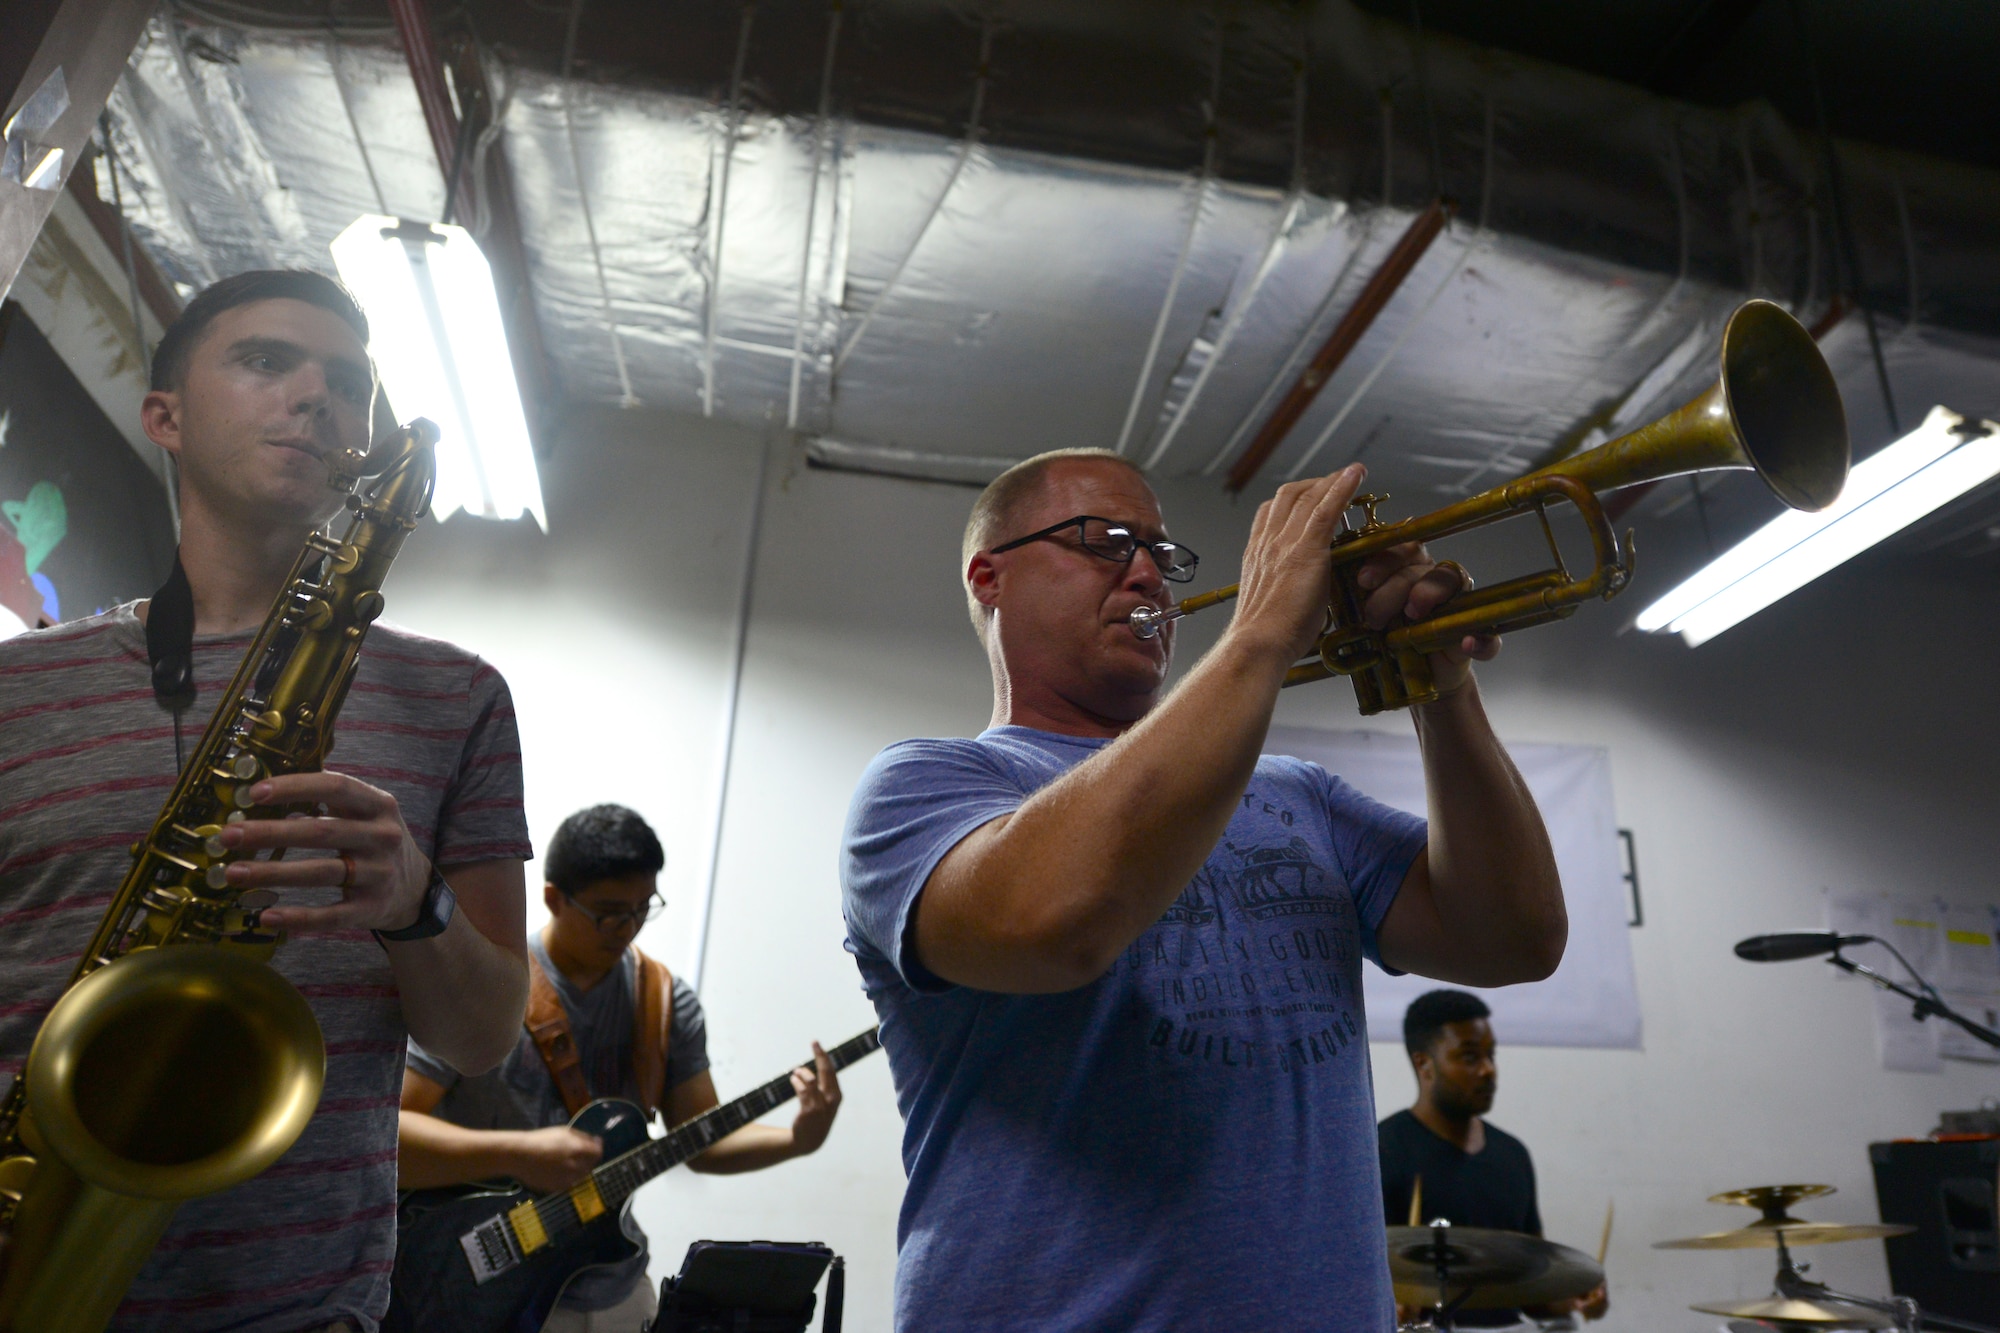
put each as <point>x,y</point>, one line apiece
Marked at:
<point>1148,620</point>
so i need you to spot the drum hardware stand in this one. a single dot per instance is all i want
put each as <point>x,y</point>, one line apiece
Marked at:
<point>1441,1314</point>
<point>1926,1001</point>
<point>1792,1284</point>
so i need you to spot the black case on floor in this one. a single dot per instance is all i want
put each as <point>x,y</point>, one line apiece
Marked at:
<point>1951,1264</point>
<point>743,1286</point>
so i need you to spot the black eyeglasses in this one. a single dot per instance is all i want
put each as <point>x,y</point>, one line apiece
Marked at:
<point>612,922</point>
<point>1110,540</point>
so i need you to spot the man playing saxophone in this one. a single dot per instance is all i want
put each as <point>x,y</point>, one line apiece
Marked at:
<point>1117,953</point>
<point>403,896</point>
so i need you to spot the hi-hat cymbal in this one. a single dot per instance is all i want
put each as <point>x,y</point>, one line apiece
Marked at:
<point>1764,1235</point>
<point>1504,1269</point>
<point>1778,1310</point>
<point>1772,1200</point>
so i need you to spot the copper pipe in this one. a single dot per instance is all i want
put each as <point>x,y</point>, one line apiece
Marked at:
<point>420,50</point>
<point>1382,285</point>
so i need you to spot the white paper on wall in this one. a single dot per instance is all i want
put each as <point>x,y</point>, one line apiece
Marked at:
<point>1904,1044</point>
<point>1971,964</point>
<point>1593,998</point>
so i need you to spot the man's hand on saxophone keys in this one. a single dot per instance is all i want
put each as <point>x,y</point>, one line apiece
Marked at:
<point>377,865</point>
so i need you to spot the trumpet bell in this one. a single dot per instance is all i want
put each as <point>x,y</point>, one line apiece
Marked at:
<point>1785,406</point>
<point>1773,409</point>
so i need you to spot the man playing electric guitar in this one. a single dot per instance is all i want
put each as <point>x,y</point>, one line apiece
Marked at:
<point>604,1020</point>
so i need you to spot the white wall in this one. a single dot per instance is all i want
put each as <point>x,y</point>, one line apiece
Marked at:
<point>1843,741</point>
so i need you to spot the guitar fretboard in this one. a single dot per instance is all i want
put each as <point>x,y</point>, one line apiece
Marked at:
<point>611,1184</point>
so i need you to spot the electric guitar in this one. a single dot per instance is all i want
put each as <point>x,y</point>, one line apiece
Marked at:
<point>492,1257</point>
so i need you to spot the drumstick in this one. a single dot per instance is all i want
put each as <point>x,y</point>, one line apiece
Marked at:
<point>1417,1202</point>
<point>1604,1245</point>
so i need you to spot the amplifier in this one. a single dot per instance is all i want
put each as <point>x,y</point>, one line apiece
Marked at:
<point>1951,1264</point>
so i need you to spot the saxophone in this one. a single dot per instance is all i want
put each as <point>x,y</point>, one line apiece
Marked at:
<point>166,1073</point>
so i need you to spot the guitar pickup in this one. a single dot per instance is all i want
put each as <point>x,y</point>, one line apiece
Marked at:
<point>490,1250</point>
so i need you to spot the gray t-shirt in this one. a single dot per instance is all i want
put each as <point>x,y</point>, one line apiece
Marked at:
<point>521,1095</point>
<point>86,760</point>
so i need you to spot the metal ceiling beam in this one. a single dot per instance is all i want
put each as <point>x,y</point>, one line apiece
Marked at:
<point>80,48</point>
<point>1211,109</point>
<point>502,240</point>
<point>965,150</point>
<point>812,212</point>
<point>1381,287</point>
<point>732,130</point>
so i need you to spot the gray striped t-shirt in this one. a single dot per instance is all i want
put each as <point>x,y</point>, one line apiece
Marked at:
<point>86,761</point>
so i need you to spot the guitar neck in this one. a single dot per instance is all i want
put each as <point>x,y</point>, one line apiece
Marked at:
<point>619,1178</point>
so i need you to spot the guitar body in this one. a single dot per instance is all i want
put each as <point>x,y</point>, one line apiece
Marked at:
<point>495,1258</point>
<point>435,1290</point>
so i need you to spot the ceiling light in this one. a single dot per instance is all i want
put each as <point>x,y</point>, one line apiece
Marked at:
<point>1885,493</point>
<point>441,349</point>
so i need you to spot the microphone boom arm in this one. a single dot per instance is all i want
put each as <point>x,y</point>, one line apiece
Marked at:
<point>1927,1003</point>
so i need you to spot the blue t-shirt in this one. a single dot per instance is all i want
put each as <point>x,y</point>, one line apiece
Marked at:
<point>1187,1141</point>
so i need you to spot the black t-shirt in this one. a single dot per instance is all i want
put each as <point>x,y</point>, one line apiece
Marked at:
<point>1492,1188</point>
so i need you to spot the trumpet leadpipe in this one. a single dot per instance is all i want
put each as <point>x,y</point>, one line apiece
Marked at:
<point>1148,621</point>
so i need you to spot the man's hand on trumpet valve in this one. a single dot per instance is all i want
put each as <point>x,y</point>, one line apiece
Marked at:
<point>1287,578</point>
<point>1405,586</point>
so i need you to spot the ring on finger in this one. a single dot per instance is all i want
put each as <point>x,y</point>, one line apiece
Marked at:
<point>347,877</point>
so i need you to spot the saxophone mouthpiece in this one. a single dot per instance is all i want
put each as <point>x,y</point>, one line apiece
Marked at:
<point>419,433</point>
<point>344,467</point>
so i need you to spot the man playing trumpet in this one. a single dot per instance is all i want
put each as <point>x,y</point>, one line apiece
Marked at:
<point>1116,953</point>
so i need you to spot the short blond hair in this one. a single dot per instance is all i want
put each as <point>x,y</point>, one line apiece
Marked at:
<point>993,513</point>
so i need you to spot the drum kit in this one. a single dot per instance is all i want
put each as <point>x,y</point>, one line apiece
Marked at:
<point>1441,1269</point>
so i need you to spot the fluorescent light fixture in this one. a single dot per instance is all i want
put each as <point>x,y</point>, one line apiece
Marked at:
<point>1885,493</point>
<point>437,339</point>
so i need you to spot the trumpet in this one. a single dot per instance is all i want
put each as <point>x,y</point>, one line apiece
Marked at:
<point>1774,409</point>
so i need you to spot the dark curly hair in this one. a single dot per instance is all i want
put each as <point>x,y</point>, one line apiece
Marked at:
<point>603,842</point>
<point>1430,1012</point>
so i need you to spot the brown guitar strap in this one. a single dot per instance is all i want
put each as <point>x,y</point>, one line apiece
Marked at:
<point>652,1023</point>
<point>548,1027</point>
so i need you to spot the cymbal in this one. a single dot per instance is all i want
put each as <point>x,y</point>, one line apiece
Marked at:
<point>1778,1310</point>
<point>1762,1235</point>
<point>1505,1269</point>
<point>1774,1202</point>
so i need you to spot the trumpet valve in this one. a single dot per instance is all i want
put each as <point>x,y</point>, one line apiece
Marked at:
<point>1367,504</point>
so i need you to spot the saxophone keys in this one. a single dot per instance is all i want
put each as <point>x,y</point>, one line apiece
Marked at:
<point>15,1173</point>
<point>313,614</point>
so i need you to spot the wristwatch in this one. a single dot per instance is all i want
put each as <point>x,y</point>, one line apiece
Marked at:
<point>432,917</point>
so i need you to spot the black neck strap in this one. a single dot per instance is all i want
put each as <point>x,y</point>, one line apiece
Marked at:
<point>170,640</point>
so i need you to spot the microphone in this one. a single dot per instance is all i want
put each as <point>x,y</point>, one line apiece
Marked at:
<point>1783,948</point>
